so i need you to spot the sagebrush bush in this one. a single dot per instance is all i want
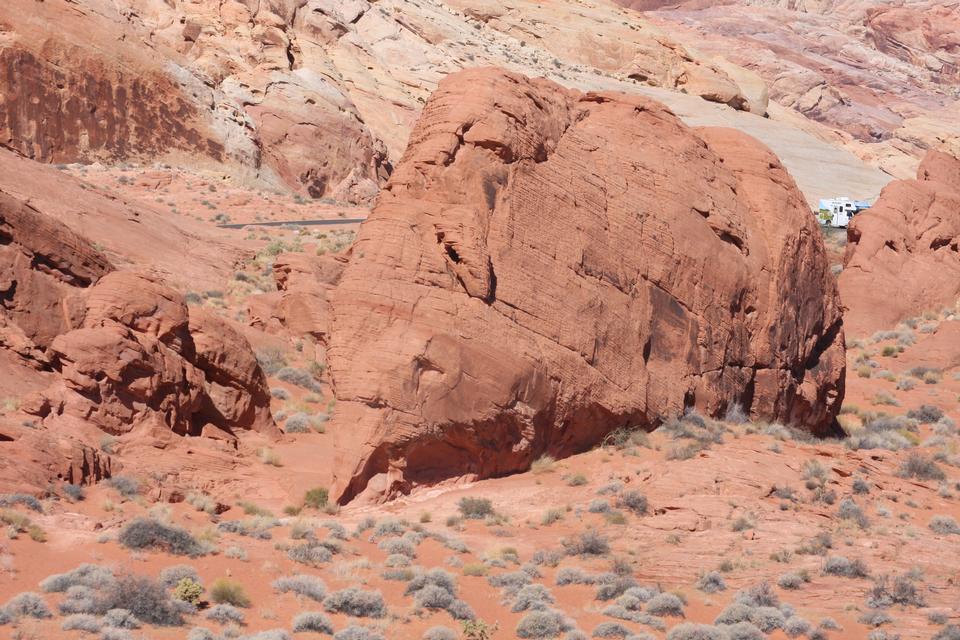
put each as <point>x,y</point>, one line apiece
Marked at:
<point>88,575</point>
<point>633,501</point>
<point>300,378</point>
<point>887,591</point>
<point>475,508</point>
<point>711,582</point>
<point>841,566</point>
<point>226,591</point>
<point>920,467</point>
<point>744,631</point>
<point>121,619</point>
<point>944,525</point>
<point>440,633</point>
<point>82,622</point>
<point>693,631</point>
<point>74,492</point>
<point>574,575</point>
<point>849,510</point>
<point>27,605</point>
<point>543,624</point>
<point>126,486</point>
<point>302,585</point>
<point>145,533</point>
<point>171,576</point>
<point>312,554</point>
<point>588,543</point>
<point>791,581</point>
<point>767,619</point>
<point>356,632</point>
<point>532,597</point>
<point>80,599</point>
<point>316,498</point>
<point>610,630</point>
<point>145,598</point>
<point>312,621</point>
<point>759,595</point>
<point>357,603</point>
<point>926,414</point>
<point>12,499</point>
<point>224,614</point>
<point>665,604</point>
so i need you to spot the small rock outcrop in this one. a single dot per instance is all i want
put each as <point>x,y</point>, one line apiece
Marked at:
<point>907,243</point>
<point>547,266</point>
<point>118,348</point>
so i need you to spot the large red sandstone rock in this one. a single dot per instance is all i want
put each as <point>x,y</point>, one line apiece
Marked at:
<point>545,267</point>
<point>903,255</point>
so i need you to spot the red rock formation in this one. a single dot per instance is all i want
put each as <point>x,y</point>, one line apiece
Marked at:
<point>903,255</point>
<point>545,267</point>
<point>304,282</point>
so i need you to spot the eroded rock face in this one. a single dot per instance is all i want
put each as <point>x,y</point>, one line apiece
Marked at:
<point>546,266</point>
<point>907,243</point>
<point>140,356</point>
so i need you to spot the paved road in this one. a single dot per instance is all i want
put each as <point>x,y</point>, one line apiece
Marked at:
<point>302,223</point>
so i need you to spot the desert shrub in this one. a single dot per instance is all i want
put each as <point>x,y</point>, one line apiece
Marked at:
<point>861,486</point>
<point>171,576</point>
<point>224,614</point>
<point>512,580</point>
<point>634,501</point>
<point>143,597</point>
<point>741,524</point>
<point>573,575</point>
<point>767,619</point>
<point>125,485</point>
<point>316,498</point>
<point>949,632</point>
<point>398,575</point>
<point>796,626</point>
<point>13,499</point>
<point>433,597</point>
<point>926,414</point>
<point>816,546</point>
<point>543,624</point>
<point>612,585</point>
<point>460,610</point>
<point>475,508</point>
<point>440,633</point>
<point>399,546</point>
<point>312,554</point>
<point>692,631</point>
<point>944,525</point>
<point>356,632</point>
<point>88,575</point>
<point>226,591</point>
<point>849,510</point>
<point>80,599</point>
<point>280,394</point>
<point>357,603</point>
<point>744,631</point>
<point>121,619</point>
<point>199,633</point>
<point>734,613</point>
<point>301,585</point>
<point>27,605</point>
<point>271,634</point>
<point>110,633</point>
<point>297,423</point>
<point>145,533</point>
<point>188,590</point>
<point>598,506</point>
<point>82,622</point>
<point>532,597</point>
<point>300,378</point>
<point>791,580</point>
<point>920,467</point>
<point>874,618</point>
<point>271,360</point>
<point>588,543</point>
<point>576,480</point>
<point>434,577</point>
<point>74,492</point>
<point>841,566</point>
<point>665,604</point>
<point>388,527</point>
<point>312,621</point>
<point>759,595</point>
<point>711,582</point>
<point>887,591</point>
<point>610,630</point>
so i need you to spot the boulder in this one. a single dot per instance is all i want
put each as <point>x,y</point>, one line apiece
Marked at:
<point>908,243</point>
<point>546,266</point>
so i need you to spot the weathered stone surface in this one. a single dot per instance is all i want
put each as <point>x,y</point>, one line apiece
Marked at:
<point>903,255</point>
<point>546,266</point>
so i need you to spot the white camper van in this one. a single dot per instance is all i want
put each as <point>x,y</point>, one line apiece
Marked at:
<point>837,212</point>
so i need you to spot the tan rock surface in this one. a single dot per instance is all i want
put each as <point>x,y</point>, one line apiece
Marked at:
<point>488,316</point>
